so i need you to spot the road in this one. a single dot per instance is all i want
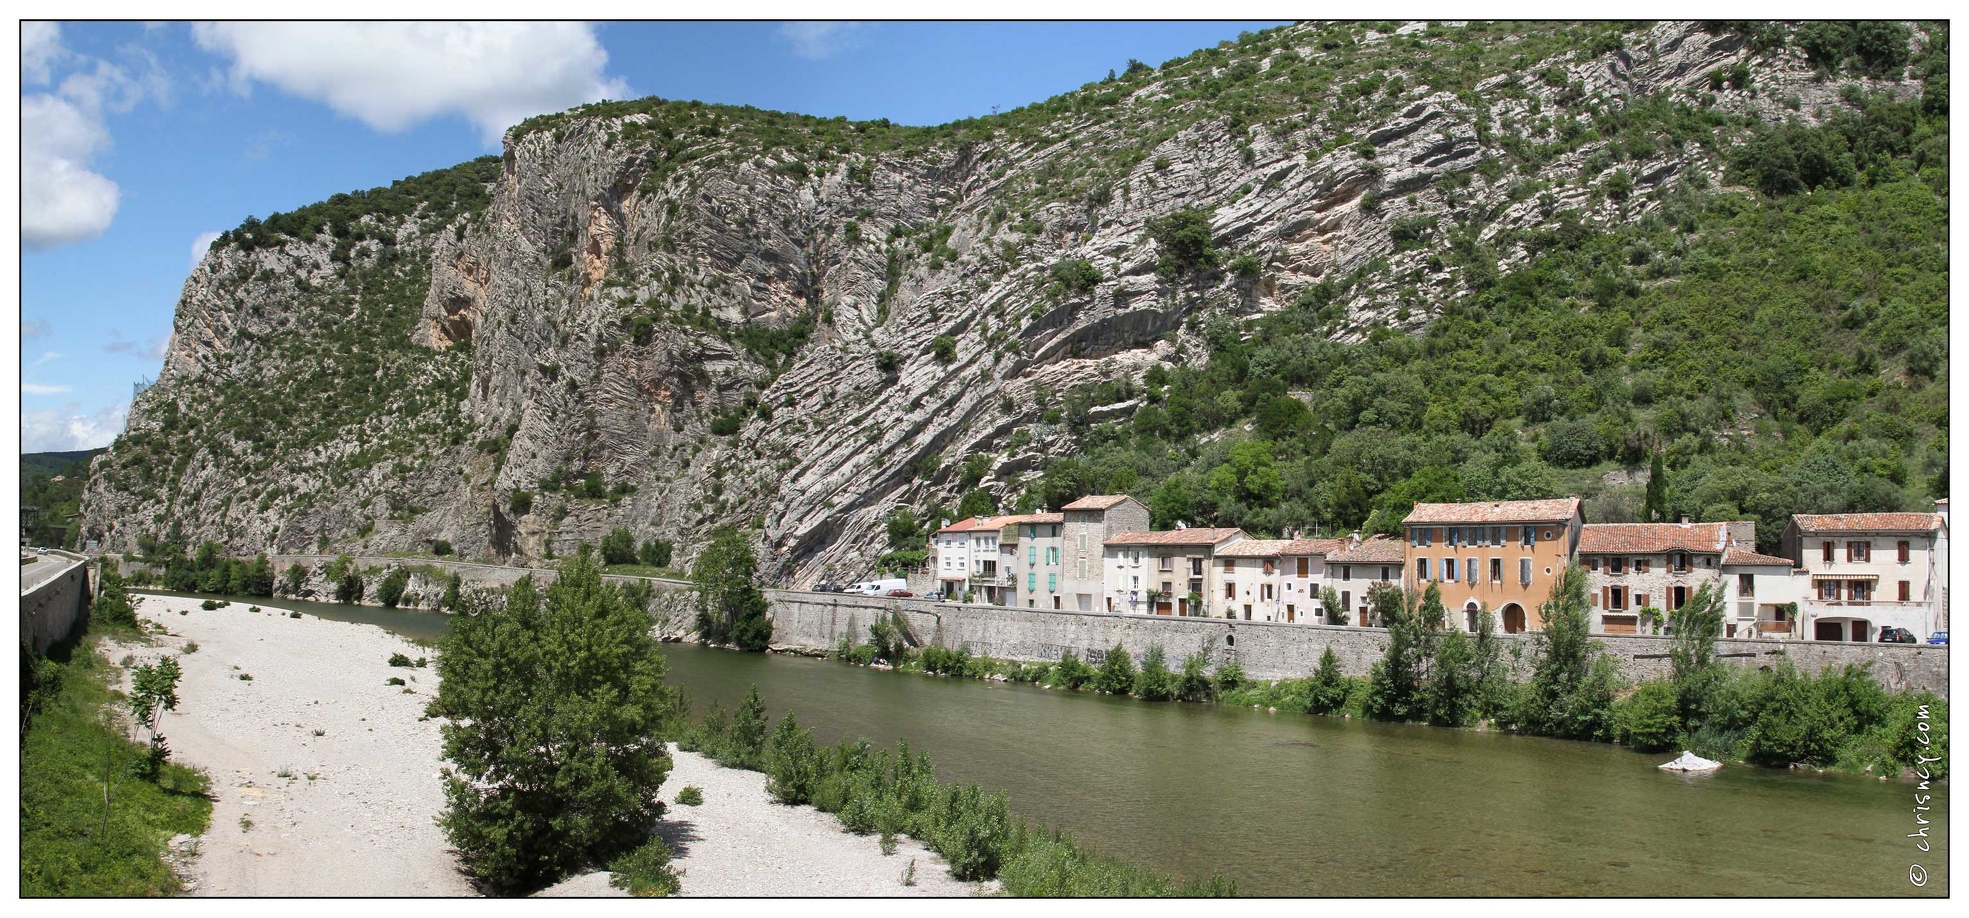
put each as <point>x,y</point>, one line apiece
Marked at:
<point>45,568</point>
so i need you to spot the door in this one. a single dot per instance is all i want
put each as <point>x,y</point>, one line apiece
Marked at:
<point>1162,608</point>
<point>1828,631</point>
<point>1859,631</point>
<point>1514,619</point>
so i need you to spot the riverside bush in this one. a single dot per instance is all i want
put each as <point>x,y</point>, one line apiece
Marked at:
<point>1154,681</point>
<point>1195,685</point>
<point>1326,693</point>
<point>1647,718</point>
<point>646,871</point>
<point>1072,672</point>
<point>1117,673</point>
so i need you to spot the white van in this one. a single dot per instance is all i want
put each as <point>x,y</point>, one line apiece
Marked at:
<point>879,587</point>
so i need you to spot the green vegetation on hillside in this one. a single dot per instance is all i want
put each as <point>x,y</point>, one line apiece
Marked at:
<point>55,501</point>
<point>1785,354</point>
<point>434,197</point>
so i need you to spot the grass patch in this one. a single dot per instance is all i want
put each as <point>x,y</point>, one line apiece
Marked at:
<point>69,847</point>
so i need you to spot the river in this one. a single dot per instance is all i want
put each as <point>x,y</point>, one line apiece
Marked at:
<point>1296,805</point>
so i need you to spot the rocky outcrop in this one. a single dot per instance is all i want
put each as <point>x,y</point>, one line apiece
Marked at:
<point>671,319</point>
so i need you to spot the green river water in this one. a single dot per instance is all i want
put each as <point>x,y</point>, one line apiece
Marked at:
<point>1296,805</point>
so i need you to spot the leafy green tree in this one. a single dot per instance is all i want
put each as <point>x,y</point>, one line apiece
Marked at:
<point>1154,681</point>
<point>390,591</point>
<point>655,553</point>
<point>731,608</point>
<point>1396,681</point>
<point>1230,676</point>
<point>1184,243</point>
<point>1328,689</point>
<point>1647,718</point>
<point>112,606</point>
<point>1573,680</point>
<point>745,742</point>
<point>1694,669</point>
<point>347,577</point>
<point>1284,417</point>
<point>1117,673</point>
<point>1194,684</point>
<point>1454,693</point>
<point>618,547</point>
<point>976,502</point>
<point>293,579</point>
<point>1072,672</point>
<point>793,763</point>
<point>1075,275</point>
<point>153,691</point>
<point>1657,490</point>
<point>554,709</point>
<point>453,592</point>
<point>1336,611</point>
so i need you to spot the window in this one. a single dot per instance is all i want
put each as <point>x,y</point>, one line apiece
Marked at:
<point>1385,576</point>
<point>1032,554</point>
<point>1305,567</point>
<point>1449,569</point>
<point>1829,590</point>
<point>1640,600</point>
<point>1421,537</point>
<point>1230,589</point>
<point>1825,551</point>
<point>1052,582</point>
<point>1271,567</point>
<point>1346,572</point>
<point>1055,531</point>
<point>1497,570</point>
<point>1166,587</point>
<point>1265,591</point>
<point>1677,596</point>
<point>1529,538</point>
<point>1859,591</point>
<point>1497,535</point>
<point>1524,572</point>
<point>1083,568</point>
<point>1470,570</point>
<point>1593,564</point>
<point>1032,582</point>
<point>1616,597</point>
<point>1678,563</point>
<point>1346,600</point>
<point>1168,563</point>
<point>1859,551</point>
<point>1905,593</point>
<point>1641,565</point>
<point>1230,566</point>
<point>1135,582</point>
<point>1421,570</point>
<point>1083,540</point>
<point>1900,549</point>
<point>1616,566</point>
<point>1747,585</point>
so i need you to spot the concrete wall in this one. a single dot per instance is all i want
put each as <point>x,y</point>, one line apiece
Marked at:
<point>817,621</point>
<point>56,606</point>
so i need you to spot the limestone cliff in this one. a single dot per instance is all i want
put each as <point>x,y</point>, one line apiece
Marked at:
<point>671,316</point>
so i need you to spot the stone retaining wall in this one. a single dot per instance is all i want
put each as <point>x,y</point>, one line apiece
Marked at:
<point>51,611</point>
<point>1266,650</point>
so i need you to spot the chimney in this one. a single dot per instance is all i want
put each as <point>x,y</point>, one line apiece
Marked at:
<point>1179,525</point>
<point>1685,519</point>
<point>1354,539</point>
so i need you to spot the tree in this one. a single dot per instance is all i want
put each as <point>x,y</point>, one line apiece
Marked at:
<point>1694,669</point>
<point>1154,682</point>
<point>390,591</point>
<point>1183,241</point>
<point>1117,673</point>
<point>347,577</point>
<point>1076,275</point>
<point>655,553</point>
<point>1657,490</point>
<point>745,742</point>
<point>112,605</point>
<point>1327,691</point>
<point>1283,418</point>
<point>1194,684</point>
<point>1336,611</point>
<point>731,609</point>
<point>1396,681</point>
<point>618,547</point>
<point>1573,680</point>
<point>976,502</point>
<point>154,690</point>
<point>554,713</point>
<point>453,588</point>
<point>259,577</point>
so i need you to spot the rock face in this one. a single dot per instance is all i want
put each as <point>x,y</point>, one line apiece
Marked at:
<point>672,317</point>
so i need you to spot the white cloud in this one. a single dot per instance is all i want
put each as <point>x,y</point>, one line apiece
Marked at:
<point>47,357</point>
<point>200,245</point>
<point>50,430</point>
<point>817,41</point>
<point>34,328</point>
<point>62,199</point>
<point>393,75</point>
<point>39,389</point>
<point>155,350</point>
<point>41,46</point>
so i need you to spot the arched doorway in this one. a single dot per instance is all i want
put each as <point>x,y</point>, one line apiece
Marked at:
<point>1471,611</point>
<point>1514,618</point>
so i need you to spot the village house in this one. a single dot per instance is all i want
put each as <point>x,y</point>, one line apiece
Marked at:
<point>1249,573</point>
<point>1868,571</point>
<point>1764,593</point>
<point>1302,569</point>
<point>1029,549</point>
<point>1503,556</point>
<point>1085,527</point>
<point>1631,567</point>
<point>1358,567</point>
<point>952,548</point>
<point>1158,572</point>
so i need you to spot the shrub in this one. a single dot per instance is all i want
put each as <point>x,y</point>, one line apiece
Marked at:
<point>793,763</point>
<point>1194,684</point>
<point>691,795</point>
<point>1183,241</point>
<point>209,605</point>
<point>391,591</point>
<point>1154,682</point>
<point>744,743</point>
<point>646,871</point>
<point>619,547</point>
<point>393,680</point>
<point>1327,692</point>
<point>1647,719</point>
<point>440,547</point>
<point>1246,268</point>
<point>1076,275</point>
<point>655,553</point>
<point>944,348</point>
<point>888,362</point>
<point>1117,673</point>
<point>971,832</point>
<point>582,736</point>
<point>1230,676</point>
<point>1072,672</point>
<point>521,503</point>
<point>397,659</point>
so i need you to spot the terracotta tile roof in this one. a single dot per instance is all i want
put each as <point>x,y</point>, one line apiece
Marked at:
<point>965,525</point>
<point>1021,519</point>
<point>1737,555</point>
<point>1097,502</point>
<point>1504,511</point>
<point>1177,537</point>
<point>1254,548</point>
<point>1867,522</point>
<point>1649,538</point>
<point>1314,547</point>
<point>1375,550</point>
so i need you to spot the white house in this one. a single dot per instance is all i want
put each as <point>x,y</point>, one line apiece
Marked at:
<point>1867,571</point>
<point>1249,576</point>
<point>1085,527</point>
<point>1157,572</point>
<point>1301,575</point>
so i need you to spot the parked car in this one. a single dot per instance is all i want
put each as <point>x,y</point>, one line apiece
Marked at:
<point>1939,637</point>
<point>1893,635</point>
<point>901,593</point>
<point>827,588</point>
<point>934,597</point>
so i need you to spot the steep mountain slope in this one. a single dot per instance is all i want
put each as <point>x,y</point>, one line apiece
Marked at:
<point>672,316</point>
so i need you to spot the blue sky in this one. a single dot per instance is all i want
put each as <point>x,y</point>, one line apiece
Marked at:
<point>139,140</point>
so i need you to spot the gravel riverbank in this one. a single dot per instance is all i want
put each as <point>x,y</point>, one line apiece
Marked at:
<point>327,780</point>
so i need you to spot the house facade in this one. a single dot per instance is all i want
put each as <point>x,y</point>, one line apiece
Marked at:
<point>1357,568</point>
<point>1867,571</point>
<point>1301,574</point>
<point>1764,594</point>
<point>1085,527</point>
<point>1653,566</point>
<point>1029,546</point>
<point>1500,555</point>
<point>1156,573</point>
<point>1249,576</point>
<point>951,551</point>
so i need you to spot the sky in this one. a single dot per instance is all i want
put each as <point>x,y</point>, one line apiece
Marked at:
<point>142,141</point>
